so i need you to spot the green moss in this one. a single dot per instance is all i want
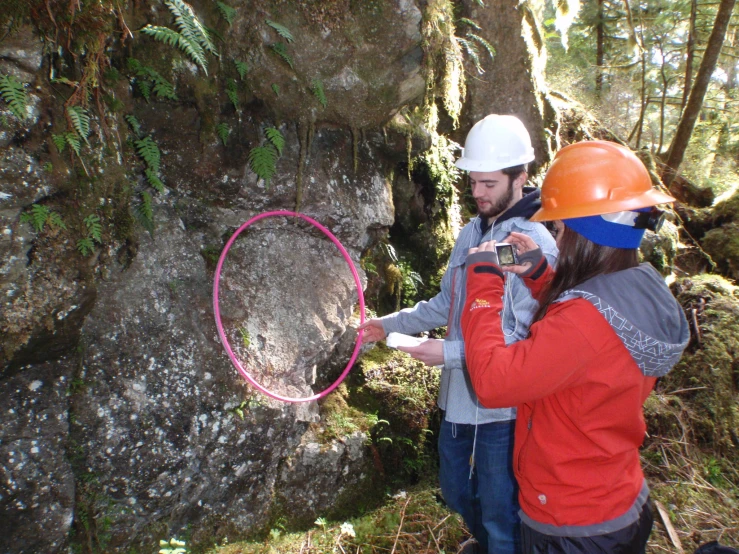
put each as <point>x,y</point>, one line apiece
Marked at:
<point>722,244</point>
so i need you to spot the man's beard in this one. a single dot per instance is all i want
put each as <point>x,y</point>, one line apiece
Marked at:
<point>500,205</point>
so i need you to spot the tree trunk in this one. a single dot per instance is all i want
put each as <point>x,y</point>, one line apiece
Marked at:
<point>513,82</point>
<point>695,101</point>
<point>689,54</point>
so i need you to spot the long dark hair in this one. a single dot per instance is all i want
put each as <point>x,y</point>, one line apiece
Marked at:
<point>581,259</point>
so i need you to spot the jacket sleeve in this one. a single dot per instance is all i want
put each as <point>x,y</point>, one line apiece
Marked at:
<point>554,357</point>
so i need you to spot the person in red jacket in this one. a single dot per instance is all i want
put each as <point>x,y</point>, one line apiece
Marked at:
<point>606,329</point>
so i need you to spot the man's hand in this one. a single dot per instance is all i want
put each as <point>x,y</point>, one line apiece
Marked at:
<point>430,352</point>
<point>373,330</point>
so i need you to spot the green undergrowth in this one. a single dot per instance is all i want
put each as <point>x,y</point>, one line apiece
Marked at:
<point>690,454</point>
<point>410,521</point>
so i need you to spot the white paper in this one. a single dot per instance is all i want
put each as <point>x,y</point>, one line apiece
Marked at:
<point>394,340</point>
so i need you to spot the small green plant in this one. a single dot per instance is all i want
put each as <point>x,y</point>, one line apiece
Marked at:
<point>193,38</point>
<point>94,234</point>
<point>317,90</point>
<point>276,89</point>
<point>241,68</point>
<point>227,12</point>
<point>283,31</point>
<point>280,49</point>
<point>233,94</point>
<point>245,337</point>
<point>172,546</point>
<point>14,93</point>
<point>144,212</point>
<point>64,139</point>
<point>149,152</point>
<point>40,215</point>
<point>80,121</point>
<point>134,123</point>
<point>262,159</point>
<point>471,42</point>
<point>148,81</point>
<point>223,131</point>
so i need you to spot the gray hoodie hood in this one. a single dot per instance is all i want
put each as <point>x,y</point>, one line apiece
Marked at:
<point>643,313</point>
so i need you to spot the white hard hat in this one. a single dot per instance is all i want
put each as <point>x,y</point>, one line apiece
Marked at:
<point>496,142</point>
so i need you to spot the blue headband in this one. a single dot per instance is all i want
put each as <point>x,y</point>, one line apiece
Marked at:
<point>607,233</point>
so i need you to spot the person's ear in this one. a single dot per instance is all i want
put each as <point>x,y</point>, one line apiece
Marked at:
<point>520,181</point>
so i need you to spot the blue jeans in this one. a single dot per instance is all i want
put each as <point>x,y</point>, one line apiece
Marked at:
<point>488,502</point>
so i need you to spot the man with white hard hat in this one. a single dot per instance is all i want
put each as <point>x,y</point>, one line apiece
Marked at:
<point>475,443</point>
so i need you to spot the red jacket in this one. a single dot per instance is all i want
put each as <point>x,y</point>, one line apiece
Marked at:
<point>579,395</point>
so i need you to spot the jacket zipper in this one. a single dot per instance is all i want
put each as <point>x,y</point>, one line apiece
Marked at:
<point>521,452</point>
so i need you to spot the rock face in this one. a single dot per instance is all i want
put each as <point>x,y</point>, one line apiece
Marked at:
<point>124,419</point>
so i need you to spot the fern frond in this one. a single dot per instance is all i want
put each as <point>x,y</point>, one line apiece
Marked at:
<point>36,217</point>
<point>144,212</point>
<point>144,88</point>
<point>189,46</point>
<point>164,88</point>
<point>14,93</point>
<point>280,49</point>
<point>134,123</point>
<point>283,31</point>
<point>276,89</point>
<point>275,138</point>
<point>262,161</point>
<point>80,120</point>
<point>223,131</point>
<point>232,93</point>
<point>60,142</point>
<point>242,68</point>
<point>153,179</point>
<point>74,142</point>
<point>189,25</point>
<point>94,228</point>
<point>65,81</point>
<point>469,22</point>
<point>55,220</point>
<point>484,43</point>
<point>149,152</point>
<point>471,50</point>
<point>318,92</point>
<point>227,12</point>
<point>85,246</point>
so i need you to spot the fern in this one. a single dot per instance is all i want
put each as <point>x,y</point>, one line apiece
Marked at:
<point>144,212</point>
<point>318,92</point>
<point>262,160</point>
<point>471,50</point>
<point>149,152</point>
<point>227,12</point>
<point>190,26</point>
<point>190,47</point>
<point>85,246</point>
<point>74,142</point>
<point>232,93</point>
<point>153,179</point>
<point>276,89</point>
<point>134,123</point>
<point>469,22</point>
<point>40,215</point>
<point>484,43</point>
<point>60,142</point>
<point>14,93</point>
<point>223,131</point>
<point>283,31</point>
<point>55,220</point>
<point>80,120</point>
<point>275,138</point>
<point>148,81</point>
<point>242,68</point>
<point>281,50</point>
<point>94,228</point>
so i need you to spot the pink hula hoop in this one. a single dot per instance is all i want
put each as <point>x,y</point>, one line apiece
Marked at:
<point>217,311</point>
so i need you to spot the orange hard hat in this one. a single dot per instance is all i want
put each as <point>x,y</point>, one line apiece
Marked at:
<point>593,178</point>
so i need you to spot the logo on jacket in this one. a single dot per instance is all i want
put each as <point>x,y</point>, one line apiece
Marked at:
<point>479,303</point>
